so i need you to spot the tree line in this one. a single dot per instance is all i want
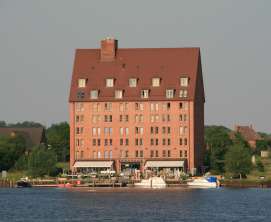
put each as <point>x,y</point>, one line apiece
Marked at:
<point>39,160</point>
<point>232,155</point>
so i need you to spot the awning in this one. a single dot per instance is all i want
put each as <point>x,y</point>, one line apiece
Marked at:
<point>166,164</point>
<point>93,164</point>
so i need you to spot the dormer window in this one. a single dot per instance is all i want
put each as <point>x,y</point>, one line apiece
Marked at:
<point>144,93</point>
<point>183,93</point>
<point>118,94</point>
<point>184,81</point>
<point>80,95</point>
<point>156,82</point>
<point>94,94</point>
<point>132,82</point>
<point>169,93</point>
<point>82,83</point>
<point>109,82</point>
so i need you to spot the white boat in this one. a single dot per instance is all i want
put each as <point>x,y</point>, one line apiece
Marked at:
<point>204,182</point>
<point>152,182</point>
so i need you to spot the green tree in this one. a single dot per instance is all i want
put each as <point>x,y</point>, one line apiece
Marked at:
<point>41,161</point>
<point>25,124</point>
<point>58,138</point>
<point>11,148</point>
<point>3,123</point>
<point>217,140</point>
<point>238,160</point>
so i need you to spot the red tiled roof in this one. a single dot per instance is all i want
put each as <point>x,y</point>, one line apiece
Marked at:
<point>248,133</point>
<point>142,63</point>
<point>33,136</point>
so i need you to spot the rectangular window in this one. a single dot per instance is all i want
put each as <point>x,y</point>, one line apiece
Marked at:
<point>108,106</point>
<point>183,93</point>
<point>79,107</point>
<point>126,131</point>
<point>164,130</point>
<point>168,153</point>
<point>181,153</point>
<point>168,142</point>
<point>164,141</point>
<point>121,131</point>
<point>181,142</point>
<point>94,94</point>
<point>132,82</point>
<point>141,153</point>
<point>136,153</point>
<point>82,83</point>
<point>152,153</point>
<point>127,142</point>
<point>93,142</point>
<point>164,153</point>
<point>121,142</point>
<point>96,107</point>
<point>144,93</point>
<point>184,81</point>
<point>110,82</point>
<point>152,142</point>
<point>185,153</point>
<point>80,95</point>
<point>169,93</point>
<point>118,94</point>
<point>155,82</point>
<point>156,153</point>
<point>156,142</point>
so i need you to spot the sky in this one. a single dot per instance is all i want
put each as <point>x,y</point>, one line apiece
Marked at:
<point>38,40</point>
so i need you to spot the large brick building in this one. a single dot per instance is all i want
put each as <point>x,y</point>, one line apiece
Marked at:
<point>136,108</point>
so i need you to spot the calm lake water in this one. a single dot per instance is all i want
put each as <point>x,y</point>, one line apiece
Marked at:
<point>32,204</point>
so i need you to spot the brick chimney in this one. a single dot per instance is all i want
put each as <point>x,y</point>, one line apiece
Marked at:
<point>108,49</point>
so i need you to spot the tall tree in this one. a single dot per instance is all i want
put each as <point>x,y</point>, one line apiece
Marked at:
<point>11,148</point>
<point>238,160</point>
<point>217,141</point>
<point>58,137</point>
<point>41,162</point>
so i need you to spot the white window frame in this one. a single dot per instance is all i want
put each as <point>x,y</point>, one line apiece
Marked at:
<point>132,82</point>
<point>144,93</point>
<point>94,94</point>
<point>82,83</point>
<point>184,81</point>
<point>118,94</point>
<point>156,81</point>
<point>169,93</point>
<point>183,93</point>
<point>109,82</point>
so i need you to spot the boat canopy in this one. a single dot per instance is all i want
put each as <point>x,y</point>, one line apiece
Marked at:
<point>165,164</point>
<point>93,164</point>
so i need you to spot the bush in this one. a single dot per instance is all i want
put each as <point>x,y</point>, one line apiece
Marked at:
<point>41,162</point>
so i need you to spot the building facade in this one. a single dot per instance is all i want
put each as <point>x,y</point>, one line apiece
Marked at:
<point>137,108</point>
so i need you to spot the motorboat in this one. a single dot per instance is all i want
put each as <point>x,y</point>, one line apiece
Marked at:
<point>209,181</point>
<point>23,182</point>
<point>152,182</point>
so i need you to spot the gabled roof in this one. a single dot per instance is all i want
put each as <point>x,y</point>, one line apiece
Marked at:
<point>248,133</point>
<point>142,63</point>
<point>33,136</point>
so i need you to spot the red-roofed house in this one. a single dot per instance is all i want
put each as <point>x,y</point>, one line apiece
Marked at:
<point>248,133</point>
<point>136,108</point>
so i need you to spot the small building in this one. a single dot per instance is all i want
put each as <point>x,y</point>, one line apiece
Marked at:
<point>248,133</point>
<point>33,136</point>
